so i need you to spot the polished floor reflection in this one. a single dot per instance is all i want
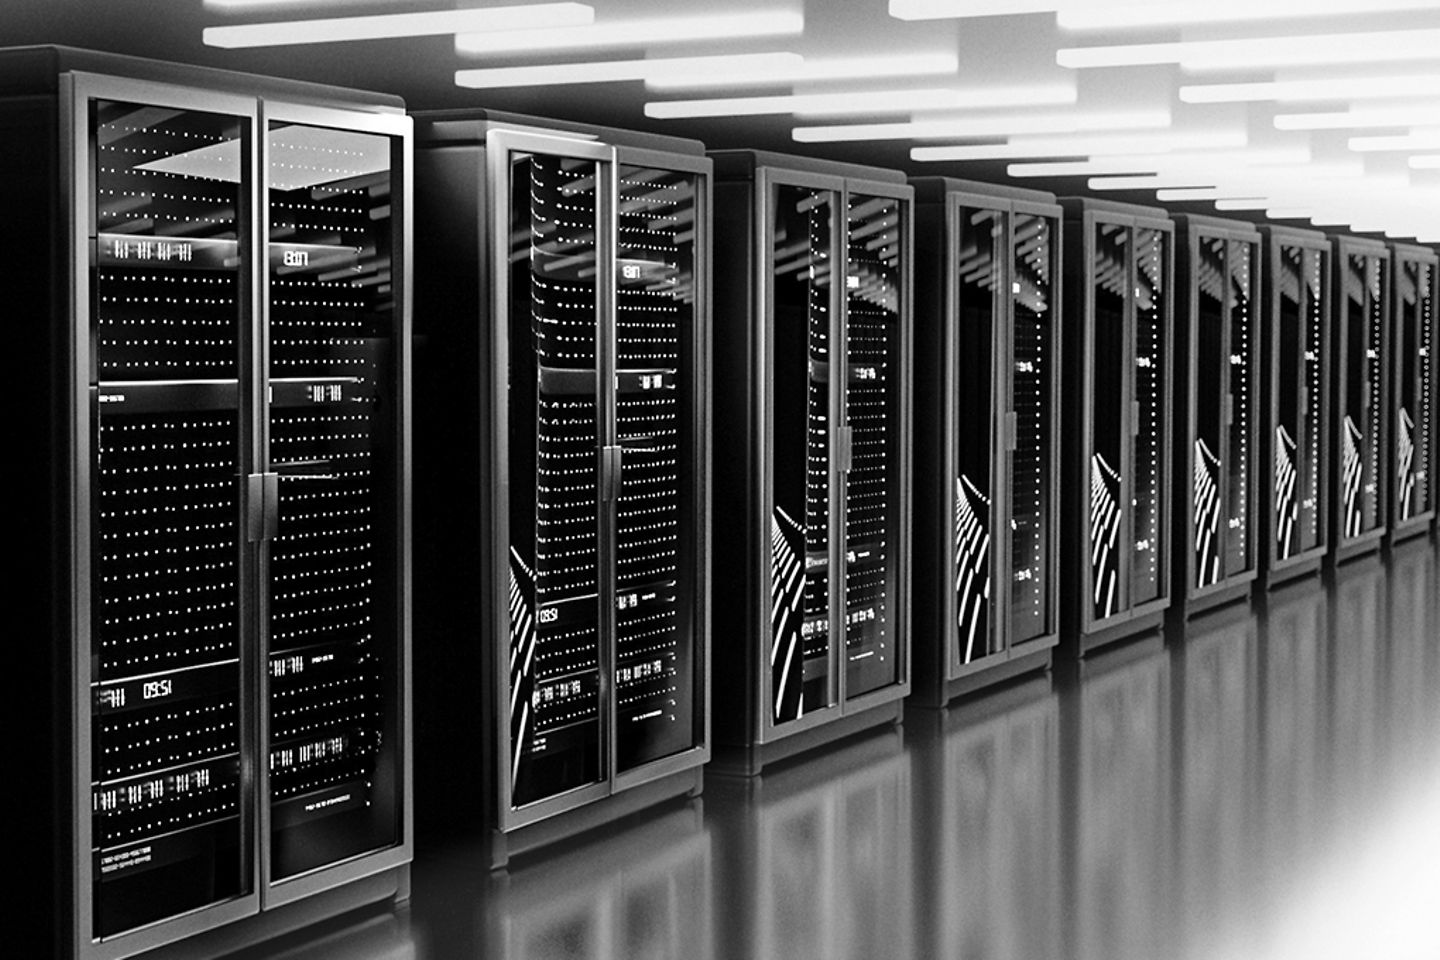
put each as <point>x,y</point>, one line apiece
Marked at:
<point>1266,786</point>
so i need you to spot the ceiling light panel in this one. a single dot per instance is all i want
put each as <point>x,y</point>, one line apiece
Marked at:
<point>636,33</point>
<point>1073,15</point>
<point>956,9</point>
<point>1082,146</point>
<point>1199,161</point>
<point>859,102</point>
<point>1422,114</point>
<point>1256,52</point>
<point>800,70</point>
<point>1353,88</point>
<point>541,16</point>
<point>615,70</point>
<point>977,126</point>
<point>1427,140</point>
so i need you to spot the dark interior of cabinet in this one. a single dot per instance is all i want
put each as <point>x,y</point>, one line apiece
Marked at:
<point>1110,280</point>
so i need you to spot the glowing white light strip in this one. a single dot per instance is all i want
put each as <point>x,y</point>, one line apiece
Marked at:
<point>957,9</point>
<point>869,101</point>
<point>608,71</point>
<point>1425,161</point>
<point>1073,15</point>
<point>801,70</point>
<point>1419,115</point>
<point>1355,88</point>
<point>971,125</point>
<point>1218,194</point>
<point>1427,140</point>
<point>1244,203</point>
<point>543,16</point>
<point>1254,52</point>
<point>1087,146</point>
<point>1151,181</point>
<point>1188,163</point>
<point>637,33</point>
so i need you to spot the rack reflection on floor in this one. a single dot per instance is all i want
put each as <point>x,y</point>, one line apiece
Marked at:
<point>1217,793</point>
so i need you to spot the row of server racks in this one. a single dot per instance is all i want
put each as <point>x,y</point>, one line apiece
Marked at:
<point>793,438</point>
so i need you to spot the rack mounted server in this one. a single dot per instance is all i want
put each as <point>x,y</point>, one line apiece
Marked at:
<point>987,376</point>
<point>1119,272</point>
<point>1217,394</point>
<point>812,477</point>
<point>564,449</point>
<point>1362,467</point>
<point>1414,398</point>
<point>1296,432</point>
<point>209,274</point>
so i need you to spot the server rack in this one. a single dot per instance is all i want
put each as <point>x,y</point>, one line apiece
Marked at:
<point>987,376</point>
<point>1413,506</point>
<point>1295,435</point>
<point>813,473</point>
<point>1360,384</point>
<point>564,323</point>
<point>213,281</point>
<point>1119,269</point>
<point>1217,395</point>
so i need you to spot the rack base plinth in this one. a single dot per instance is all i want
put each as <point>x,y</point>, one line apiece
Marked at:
<point>747,761</point>
<point>1367,545</point>
<point>1416,526</point>
<point>506,845</point>
<point>1294,569</point>
<point>1195,606</point>
<point>379,893</point>
<point>1086,644</point>
<point>990,675</point>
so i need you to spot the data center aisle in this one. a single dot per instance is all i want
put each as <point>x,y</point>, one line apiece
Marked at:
<point>1269,787</point>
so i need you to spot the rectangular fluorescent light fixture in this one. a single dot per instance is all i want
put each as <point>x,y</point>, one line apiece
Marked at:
<point>1425,161</point>
<point>1429,140</point>
<point>868,101</point>
<point>388,26</point>
<point>1152,181</point>
<point>1255,52</point>
<point>1218,194</point>
<point>614,70</point>
<point>1072,15</point>
<point>800,70</point>
<point>1354,88</point>
<point>635,33</point>
<point>1188,163</point>
<point>984,125</point>
<point>1244,203</point>
<point>960,9</point>
<point>1082,146</point>
<point>1416,116</point>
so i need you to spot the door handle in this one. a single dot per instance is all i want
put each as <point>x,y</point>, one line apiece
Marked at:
<point>262,506</point>
<point>611,463</point>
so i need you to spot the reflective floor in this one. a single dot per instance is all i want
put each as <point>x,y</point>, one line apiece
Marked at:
<point>1267,786</point>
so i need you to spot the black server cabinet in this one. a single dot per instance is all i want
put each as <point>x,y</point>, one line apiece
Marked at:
<point>1361,467</point>
<point>1295,434</point>
<point>1217,394</point>
<point>563,313</point>
<point>812,474</point>
<point>987,380</point>
<point>1413,399</point>
<point>1119,269</point>
<point>213,285</point>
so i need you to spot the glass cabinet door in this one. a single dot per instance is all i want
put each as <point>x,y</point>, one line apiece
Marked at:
<point>1240,367</point>
<point>554,438</point>
<point>873,397</point>
<point>1032,406</point>
<point>170,809</point>
<point>1152,326</point>
<point>979,280</point>
<point>333,627</point>
<point>1299,392</point>
<point>1415,387</point>
<point>1110,279</point>
<point>802,231</point>
<point>1363,409</point>
<point>1210,402</point>
<point>656,520</point>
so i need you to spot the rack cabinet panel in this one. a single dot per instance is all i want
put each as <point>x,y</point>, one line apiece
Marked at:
<point>1119,265</point>
<point>987,377</point>
<point>224,539</point>
<point>1218,391</point>
<point>575,683</point>
<point>815,265</point>
<point>1413,503</point>
<point>1362,465</point>
<point>1296,434</point>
